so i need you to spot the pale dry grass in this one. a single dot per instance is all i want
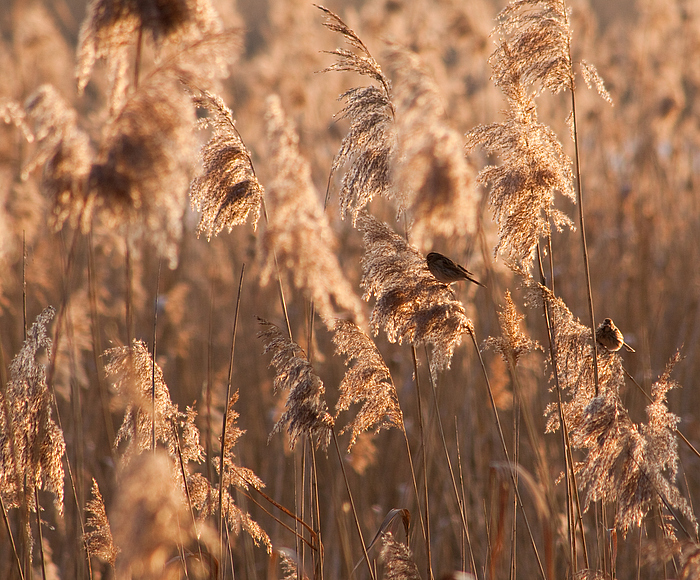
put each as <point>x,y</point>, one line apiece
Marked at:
<point>114,163</point>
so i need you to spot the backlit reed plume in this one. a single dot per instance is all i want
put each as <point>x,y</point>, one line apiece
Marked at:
<point>297,232</point>
<point>535,46</point>
<point>98,540</point>
<point>411,305</point>
<point>135,377</point>
<point>307,413</point>
<point>367,381</point>
<point>31,443</point>
<point>63,153</point>
<point>431,169</point>
<point>533,166</point>
<point>112,28</point>
<point>142,170</point>
<point>290,568</point>
<point>573,352</point>
<point>149,517</point>
<point>226,189</point>
<point>370,144</point>
<point>533,163</point>
<point>633,466</point>
<point>513,342</point>
<point>398,560</point>
<point>629,465</point>
<point>205,496</point>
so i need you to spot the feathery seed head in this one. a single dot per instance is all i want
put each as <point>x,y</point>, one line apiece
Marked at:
<point>226,189</point>
<point>367,381</point>
<point>306,412</point>
<point>298,235</point>
<point>31,443</point>
<point>411,304</point>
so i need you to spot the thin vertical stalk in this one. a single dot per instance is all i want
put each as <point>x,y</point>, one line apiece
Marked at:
<point>315,504</point>
<point>62,316</point>
<point>283,302</point>
<point>584,246</point>
<point>210,381</point>
<point>76,406</point>
<point>568,471</point>
<point>414,480</point>
<point>153,360</point>
<point>297,518</point>
<point>97,349</point>
<point>449,463</point>
<point>516,460</point>
<point>225,419</point>
<point>464,505</point>
<point>129,297</point>
<point>41,534</point>
<point>352,506</point>
<point>302,496</point>
<point>8,528</point>
<point>505,452</point>
<point>425,464</point>
<point>50,373</point>
<point>188,496</point>
<point>24,284</point>
<point>573,500</point>
<point>317,510</point>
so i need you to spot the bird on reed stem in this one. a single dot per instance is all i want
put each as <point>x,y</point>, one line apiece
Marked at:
<point>609,336</point>
<point>446,271</point>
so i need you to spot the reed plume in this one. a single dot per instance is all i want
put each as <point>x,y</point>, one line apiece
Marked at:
<point>398,560</point>
<point>632,466</point>
<point>430,168</point>
<point>98,540</point>
<point>142,169</point>
<point>370,145</point>
<point>226,189</point>
<point>534,166</point>
<point>533,55</point>
<point>205,496</point>
<point>31,443</point>
<point>112,27</point>
<point>534,46</point>
<point>306,412</point>
<point>411,305</point>
<point>149,516</point>
<point>140,381</point>
<point>63,152</point>
<point>513,342</point>
<point>367,381</point>
<point>298,235</point>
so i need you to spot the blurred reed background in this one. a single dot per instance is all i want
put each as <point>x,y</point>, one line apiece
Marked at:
<point>173,172</point>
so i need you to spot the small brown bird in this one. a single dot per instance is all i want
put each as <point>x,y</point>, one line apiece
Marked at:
<point>446,271</point>
<point>609,336</point>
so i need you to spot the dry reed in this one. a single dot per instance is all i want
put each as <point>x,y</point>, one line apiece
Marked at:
<point>297,235</point>
<point>411,305</point>
<point>226,190</point>
<point>306,412</point>
<point>367,381</point>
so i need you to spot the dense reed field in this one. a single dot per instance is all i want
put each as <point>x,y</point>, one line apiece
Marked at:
<point>225,351</point>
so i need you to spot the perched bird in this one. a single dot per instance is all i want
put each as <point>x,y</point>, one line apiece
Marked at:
<point>609,336</point>
<point>446,271</point>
